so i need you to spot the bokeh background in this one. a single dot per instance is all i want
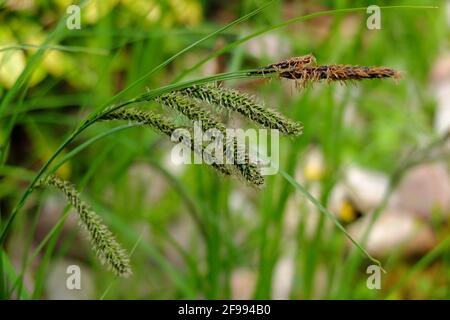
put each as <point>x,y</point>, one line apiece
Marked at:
<point>375,153</point>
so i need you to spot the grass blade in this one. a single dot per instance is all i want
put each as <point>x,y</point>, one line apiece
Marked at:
<point>327,213</point>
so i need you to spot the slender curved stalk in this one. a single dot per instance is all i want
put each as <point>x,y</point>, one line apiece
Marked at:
<point>328,214</point>
<point>97,115</point>
<point>285,24</point>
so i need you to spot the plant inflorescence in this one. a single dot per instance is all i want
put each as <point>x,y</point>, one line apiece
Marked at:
<point>162,125</point>
<point>191,101</point>
<point>103,242</point>
<point>184,104</point>
<point>245,105</point>
<point>304,71</point>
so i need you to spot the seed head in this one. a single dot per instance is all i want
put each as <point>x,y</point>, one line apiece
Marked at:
<point>162,125</point>
<point>245,105</point>
<point>103,242</point>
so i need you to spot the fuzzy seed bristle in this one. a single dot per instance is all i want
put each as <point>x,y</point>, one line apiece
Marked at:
<point>160,124</point>
<point>245,105</point>
<point>304,71</point>
<point>339,73</point>
<point>192,110</point>
<point>104,244</point>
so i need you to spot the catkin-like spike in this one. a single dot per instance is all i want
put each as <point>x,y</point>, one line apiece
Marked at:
<point>245,105</point>
<point>105,246</point>
<point>161,124</point>
<point>342,73</point>
<point>191,109</point>
<point>294,63</point>
<point>155,121</point>
<point>339,73</point>
<point>303,70</point>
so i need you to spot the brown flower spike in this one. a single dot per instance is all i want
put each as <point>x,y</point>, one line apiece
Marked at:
<point>302,69</point>
<point>338,73</point>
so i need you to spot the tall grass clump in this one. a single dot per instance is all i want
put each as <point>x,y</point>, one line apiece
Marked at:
<point>190,101</point>
<point>227,242</point>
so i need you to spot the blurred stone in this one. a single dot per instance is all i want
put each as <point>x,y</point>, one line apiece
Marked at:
<point>321,282</point>
<point>338,196</point>
<point>424,189</point>
<point>283,276</point>
<point>440,81</point>
<point>394,230</point>
<point>19,5</point>
<point>363,187</point>
<point>292,216</point>
<point>441,69</point>
<point>367,187</point>
<point>242,284</point>
<point>239,202</point>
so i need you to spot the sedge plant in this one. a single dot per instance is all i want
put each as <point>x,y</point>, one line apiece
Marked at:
<point>190,101</point>
<point>190,98</point>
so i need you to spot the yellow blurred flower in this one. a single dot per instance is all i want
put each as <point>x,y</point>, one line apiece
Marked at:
<point>57,63</point>
<point>188,12</point>
<point>347,212</point>
<point>314,167</point>
<point>63,4</point>
<point>12,62</point>
<point>96,9</point>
